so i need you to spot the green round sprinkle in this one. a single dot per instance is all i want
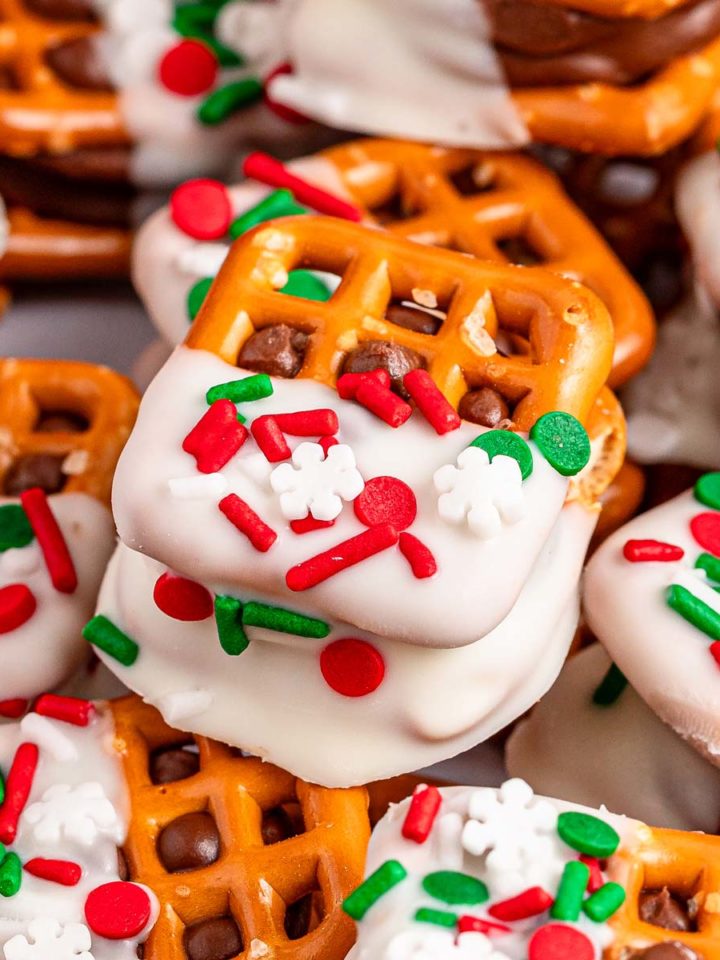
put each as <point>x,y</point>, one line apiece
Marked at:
<point>10,875</point>
<point>694,610</point>
<point>504,443</point>
<point>587,834</point>
<point>228,620</point>
<point>308,286</point>
<point>563,441</point>
<point>256,387</point>
<point>223,102</point>
<point>571,890</point>
<point>707,490</point>
<point>441,918</point>
<point>103,634</point>
<point>15,528</point>
<point>196,296</point>
<point>376,886</point>
<point>452,887</point>
<point>711,566</point>
<point>280,203</point>
<point>602,904</point>
<point>610,687</point>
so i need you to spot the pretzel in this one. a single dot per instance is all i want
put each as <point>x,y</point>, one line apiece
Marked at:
<point>251,882</point>
<point>507,196</point>
<point>29,388</point>
<point>613,9</point>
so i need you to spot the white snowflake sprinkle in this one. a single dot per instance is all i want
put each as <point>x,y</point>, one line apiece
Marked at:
<point>485,494</point>
<point>80,814</point>
<point>317,483</point>
<point>47,939</point>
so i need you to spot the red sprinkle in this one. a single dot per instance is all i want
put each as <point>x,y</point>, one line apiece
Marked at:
<point>201,209</point>
<point>351,667</point>
<point>309,524</point>
<point>557,941</point>
<point>346,554</point>
<point>421,814</point>
<point>422,562</point>
<point>17,789</point>
<point>347,385</point>
<point>266,169</point>
<point>242,516</point>
<point>308,423</point>
<point>118,910</point>
<point>468,924</point>
<point>386,500</point>
<point>52,542</point>
<point>64,872</point>
<point>17,605</point>
<point>269,437</point>
<point>327,442</point>
<point>430,401</point>
<point>279,109</point>
<point>715,651</point>
<point>705,527</point>
<point>188,68</point>
<point>529,903</point>
<point>642,551</point>
<point>68,709</point>
<point>182,599</point>
<point>385,404</point>
<point>12,709</point>
<point>216,437</point>
<point>596,878</point>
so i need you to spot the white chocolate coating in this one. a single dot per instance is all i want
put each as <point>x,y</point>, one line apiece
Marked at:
<point>665,658</point>
<point>697,202</point>
<point>620,755</point>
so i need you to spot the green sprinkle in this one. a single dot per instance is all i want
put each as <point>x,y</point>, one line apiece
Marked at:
<point>376,886</point>
<point>10,875</point>
<point>256,387</point>
<point>280,203</point>
<point>452,887</point>
<point>196,296</point>
<point>2,800</point>
<point>563,441</point>
<point>707,490</point>
<point>226,100</point>
<point>15,528</point>
<point>610,687</point>
<point>504,443</point>
<point>103,634</point>
<point>587,834</point>
<point>711,566</point>
<point>308,286</point>
<point>441,918</point>
<point>284,621</point>
<point>228,619</point>
<point>571,890</point>
<point>602,904</point>
<point>694,610</point>
<point>197,21</point>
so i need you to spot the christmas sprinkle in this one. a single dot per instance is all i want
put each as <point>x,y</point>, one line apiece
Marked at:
<point>423,810</point>
<point>651,551</point>
<point>610,687</point>
<point>256,387</point>
<point>71,710</point>
<point>347,554</point>
<point>694,610</point>
<point>707,490</point>
<point>18,785</point>
<point>705,528</point>
<point>529,903</point>
<point>182,599</point>
<point>376,886</point>
<point>197,294</point>
<point>306,285</point>
<point>10,875</point>
<point>603,903</point>
<point>55,550</point>
<point>216,437</point>
<point>225,101</point>
<point>381,401</point>
<point>284,621</point>
<point>279,203</point>
<point>503,443</point>
<point>430,401</point>
<point>265,169</point>
<point>420,558</point>
<point>64,872</point>
<point>15,528</point>
<point>563,441</point>
<point>571,890</point>
<point>587,834</point>
<point>17,605</point>
<point>441,918</point>
<point>352,667</point>
<point>201,209</point>
<point>247,522</point>
<point>228,619</point>
<point>103,634</point>
<point>455,888</point>
<point>118,910</point>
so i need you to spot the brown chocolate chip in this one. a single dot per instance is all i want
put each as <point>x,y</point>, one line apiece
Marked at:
<point>123,868</point>
<point>484,406</point>
<point>412,317</point>
<point>298,916</point>
<point>381,354</point>
<point>671,950</point>
<point>662,909</point>
<point>276,826</point>
<point>78,64</point>
<point>62,9</point>
<point>216,939</point>
<point>278,351</point>
<point>189,843</point>
<point>170,764</point>
<point>35,470</point>
<point>61,421</point>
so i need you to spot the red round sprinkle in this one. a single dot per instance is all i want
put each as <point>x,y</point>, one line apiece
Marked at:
<point>201,209</point>
<point>189,68</point>
<point>285,113</point>
<point>12,709</point>
<point>705,527</point>
<point>182,599</point>
<point>386,500</point>
<point>118,910</point>
<point>17,605</point>
<point>353,668</point>
<point>556,941</point>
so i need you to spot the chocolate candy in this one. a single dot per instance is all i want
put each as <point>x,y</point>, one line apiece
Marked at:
<point>278,351</point>
<point>60,421</point>
<point>484,406</point>
<point>276,826</point>
<point>413,317</point>
<point>62,9</point>
<point>189,843</point>
<point>671,950</point>
<point>298,916</point>
<point>35,470</point>
<point>383,355</point>
<point>662,909</point>
<point>172,764</point>
<point>216,939</point>
<point>78,64</point>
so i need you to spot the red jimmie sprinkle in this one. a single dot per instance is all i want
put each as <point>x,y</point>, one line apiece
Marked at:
<point>386,500</point>
<point>216,437</point>
<point>421,814</point>
<point>182,599</point>
<point>68,709</point>
<point>346,554</point>
<point>327,442</point>
<point>118,910</point>
<point>269,437</point>
<point>266,169</point>
<point>17,605</point>
<point>422,562</point>
<point>285,113</point>
<point>201,209</point>
<point>244,518</point>
<point>431,403</point>
<point>347,385</point>
<point>596,878</point>
<point>52,543</point>
<point>557,941</point>
<point>529,903</point>
<point>17,789</point>
<point>705,527</point>
<point>642,551</point>
<point>468,924</point>
<point>715,651</point>
<point>64,872</point>
<point>12,709</point>
<point>308,423</point>
<point>188,68</point>
<point>309,524</point>
<point>383,403</point>
<point>352,667</point>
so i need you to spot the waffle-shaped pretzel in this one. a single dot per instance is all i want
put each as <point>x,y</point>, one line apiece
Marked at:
<point>105,399</point>
<point>251,882</point>
<point>40,112</point>
<point>645,9</point>
<point>476,202</point>
<point>563,329</point>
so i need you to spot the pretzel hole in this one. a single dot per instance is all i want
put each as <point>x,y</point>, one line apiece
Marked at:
<point>671,906</point>
<point>474,178</point>
<point>421,314</point>
<point>305,914</point>
<point>174,762</point>
<point>281,823</point>
<point>8,78</point>
<point>519,250</point>
<point>278,350</point>
<point>61,421</point>
<point>42,470</point>
<point>395,205</point>
<point>215,938</point>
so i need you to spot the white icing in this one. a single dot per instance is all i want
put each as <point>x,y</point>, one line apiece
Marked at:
<point>45,650</point>
<point>697,202</point>
<point>665,658</point>
<point>621,755</point>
